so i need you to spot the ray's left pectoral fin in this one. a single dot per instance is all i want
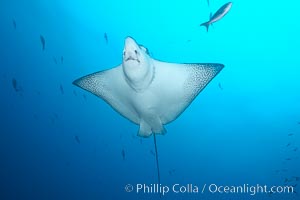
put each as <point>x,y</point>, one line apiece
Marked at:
<point>178,84</point>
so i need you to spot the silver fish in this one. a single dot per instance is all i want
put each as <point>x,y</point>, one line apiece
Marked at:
<point>218,15</point>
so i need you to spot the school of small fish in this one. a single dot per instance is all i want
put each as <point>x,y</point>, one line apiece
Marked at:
<point>291,149</point>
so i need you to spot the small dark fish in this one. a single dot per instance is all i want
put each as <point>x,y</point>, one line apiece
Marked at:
<point>290,134</point>
<point>286,180</point>
<point>288,144</point>
<point>52,119</point>
<point>284,170</point>
<point>55,116</point>
<point>299,123</point>
<point>75,93</point>
<point>38,92</point>
<point>35,116</point>
<point>84,97</point>
<point>62,60</point>
<point>43,42</point>
<point>188,41</point>
<point>295,149</point>
<point>77,139</point>
<point>297,178</point>
<point>288,159</point>
<point>218,15</point>
<point>152,152</point>
<point>14,24</point>
<point>220,86</point>
<point>54,59</point>
<point>106,38</point>
<point>171,171</point>
<point>133,136</point>
<point>123,154</point>
<point>15,85</point>
<point>61,89</point>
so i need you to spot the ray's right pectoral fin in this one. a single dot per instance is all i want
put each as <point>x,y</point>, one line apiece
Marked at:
<point>110,86</point>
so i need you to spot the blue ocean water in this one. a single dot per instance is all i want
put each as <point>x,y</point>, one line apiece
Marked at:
<point>58,141</point>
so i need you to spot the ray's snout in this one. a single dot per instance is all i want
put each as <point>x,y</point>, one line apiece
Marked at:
<point>130,51</point>
<point>130,45</point>
<point>129,40</point>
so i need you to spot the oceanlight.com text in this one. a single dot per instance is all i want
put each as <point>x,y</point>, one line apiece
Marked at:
<point>248,189</point>
<point>208,188</point>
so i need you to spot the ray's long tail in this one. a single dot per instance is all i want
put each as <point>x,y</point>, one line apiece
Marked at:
<point>157,164</point>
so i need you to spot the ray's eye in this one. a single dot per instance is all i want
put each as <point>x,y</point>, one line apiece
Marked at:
<point>135,51</point>
<point>123,53</point>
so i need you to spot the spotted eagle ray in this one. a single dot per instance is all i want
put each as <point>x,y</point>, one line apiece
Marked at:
<point>149,92</point>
